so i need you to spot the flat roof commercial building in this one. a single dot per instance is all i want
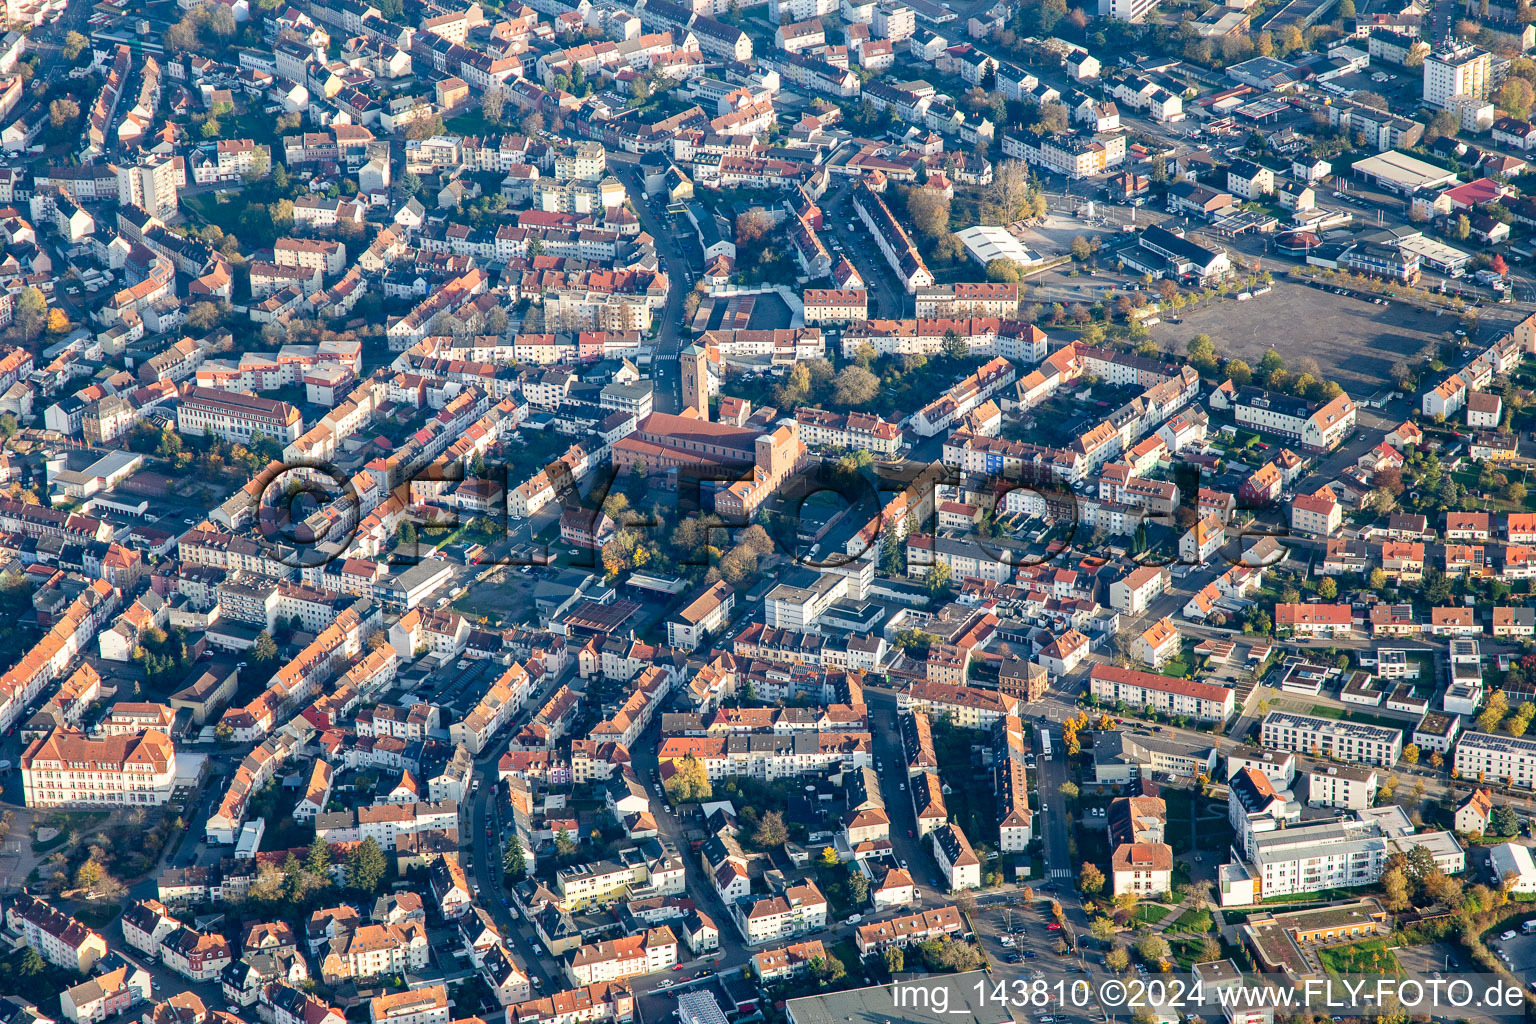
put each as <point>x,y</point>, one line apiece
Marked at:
<point>986,242</point>
<point>937,999</point>
<point>1400,172</point>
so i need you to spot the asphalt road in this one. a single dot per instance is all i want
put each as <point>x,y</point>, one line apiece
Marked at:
<point>668,397</point>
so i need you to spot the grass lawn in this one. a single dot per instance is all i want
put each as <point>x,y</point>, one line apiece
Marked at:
<point>208,208</point>
<point>848,953</point>
<point>1196,921</point>
<point>1371,957</point>
<point>1151,913</point>
<point>1178,668</point>
<point>98,915</point>
<point>1186,950</point>
<point>1319,896</point>
<point>472,123</point>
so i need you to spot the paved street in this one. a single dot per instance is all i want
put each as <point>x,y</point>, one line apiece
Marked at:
<point>625,167</point>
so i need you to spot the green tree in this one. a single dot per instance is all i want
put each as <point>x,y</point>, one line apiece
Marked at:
<point>828,970</point>
<point>74,45</point>
<point>1091,880</point>
<point>936,579</point>
<point>1270,362</point>
<point>895,960</point>
<point>264,651</point>
<point>1152,947</point>
<point>1327,589</point>
<point>1202,352</point>
<point>365,868</point>
<point>1117,959</point>
<point>318,860</point>
<point>1394,886</point>
<point>515,860</point>
<point>1003,270</point>
<point>30,312</point>
<point>32,964</point>
<point>1514,98</point>
<point>565,846</point>
<point>1494,710</point>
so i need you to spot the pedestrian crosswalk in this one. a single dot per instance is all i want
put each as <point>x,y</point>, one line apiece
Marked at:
<point>1060,872</point>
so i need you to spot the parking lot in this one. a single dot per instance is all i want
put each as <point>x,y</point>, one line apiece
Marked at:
<point>1521,952</point>
<point>1440,961</point>
<point>1353,341</point>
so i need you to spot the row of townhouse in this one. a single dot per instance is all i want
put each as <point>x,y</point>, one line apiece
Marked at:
<point>892,239</point>
<point>768,756</point>
<point>47,659</point>
<point>989,336</point>
<point>964,396</point>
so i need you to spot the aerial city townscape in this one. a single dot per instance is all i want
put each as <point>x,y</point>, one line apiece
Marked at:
<point>606,511</point>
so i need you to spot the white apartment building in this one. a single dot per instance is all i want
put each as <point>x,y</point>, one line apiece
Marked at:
<point>374,950</point>
<point>1162,693</point>
<point>427,1005</point>
<point>1458,71</point>
<point>67,768</point>
<point>1342,740</point>
<point>1344,786</point>
<point>383,823</point>
<point>236,417</point>
<point>1317,428</point>
<point>835,305</point>
<point>1134,11</point>
<point>630,957</point>
<point>152,186</point>
<point>310,254</point>
<point>1144,869</point>
<point>705,614</point>
<point>800,910</point>
<point>1322,855</point>
<point>58,938</point>
<point>969,707</point>
<point>1482,756</point>
<point>800,608</point>
<point>821,428</point>
<point>957,861</point>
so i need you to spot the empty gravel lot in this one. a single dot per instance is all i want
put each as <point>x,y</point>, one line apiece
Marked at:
<point>1353,341</point>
